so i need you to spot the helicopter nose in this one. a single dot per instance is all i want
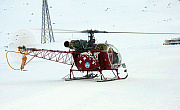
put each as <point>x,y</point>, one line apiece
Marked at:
<point>66,43</point>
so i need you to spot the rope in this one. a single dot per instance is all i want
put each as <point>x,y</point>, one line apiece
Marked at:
<point>9,63</point>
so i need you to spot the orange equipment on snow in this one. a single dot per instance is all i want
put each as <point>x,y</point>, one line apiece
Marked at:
<point>23,61</point>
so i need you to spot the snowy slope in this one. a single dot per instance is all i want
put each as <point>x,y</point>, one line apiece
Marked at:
<point>153,81</point>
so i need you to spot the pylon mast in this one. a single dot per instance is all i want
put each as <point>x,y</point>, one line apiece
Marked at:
<point>46,30</point>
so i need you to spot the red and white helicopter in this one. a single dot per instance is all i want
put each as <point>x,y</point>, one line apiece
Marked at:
<point>86,55</point>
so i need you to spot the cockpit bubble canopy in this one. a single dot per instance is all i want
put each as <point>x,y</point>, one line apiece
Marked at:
<point>114,55</point>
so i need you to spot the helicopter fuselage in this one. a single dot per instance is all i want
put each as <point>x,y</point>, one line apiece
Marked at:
<point>94,57</point>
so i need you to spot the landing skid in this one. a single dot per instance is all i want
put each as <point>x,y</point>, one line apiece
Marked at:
<point>88,76</point>
<point>76,78</point>
<point>117,77</point>
<point>97,78</point>
<point>112,79</point>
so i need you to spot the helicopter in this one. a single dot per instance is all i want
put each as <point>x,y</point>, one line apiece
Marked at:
<point>86,55</point>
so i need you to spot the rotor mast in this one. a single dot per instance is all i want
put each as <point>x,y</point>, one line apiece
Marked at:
<point>46,30</point>
<point>91,39</point>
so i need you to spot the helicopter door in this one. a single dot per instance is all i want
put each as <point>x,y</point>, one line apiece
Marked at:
<point>114,55</point>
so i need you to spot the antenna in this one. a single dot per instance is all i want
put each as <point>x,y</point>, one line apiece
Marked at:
<point>46,30</point>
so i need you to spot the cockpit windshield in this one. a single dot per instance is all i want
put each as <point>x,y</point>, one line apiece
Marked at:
<point>114,55</point>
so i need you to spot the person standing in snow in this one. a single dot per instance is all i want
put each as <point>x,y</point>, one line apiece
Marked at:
<point>23,62</point>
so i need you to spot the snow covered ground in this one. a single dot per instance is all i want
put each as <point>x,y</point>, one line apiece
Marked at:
<point>154,69</point>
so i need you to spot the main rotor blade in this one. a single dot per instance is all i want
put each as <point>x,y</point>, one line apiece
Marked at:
<point>127,32</point>
<point>97,31</point>
<point>62,30</point>
<point>68,32</point>
<point>118,32</point>
<point>143,32</point>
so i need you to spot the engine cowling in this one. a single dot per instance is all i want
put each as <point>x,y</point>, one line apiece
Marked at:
<point>79,45</point>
